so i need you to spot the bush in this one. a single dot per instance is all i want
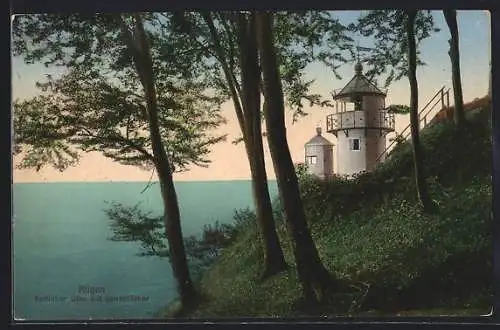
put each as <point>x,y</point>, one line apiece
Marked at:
<point>371,234</point>
<point>132,224</point>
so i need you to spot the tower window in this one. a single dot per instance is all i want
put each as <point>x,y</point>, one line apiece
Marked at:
<point>354,144</point>
<point>358,103</point>
<point>312,160</point>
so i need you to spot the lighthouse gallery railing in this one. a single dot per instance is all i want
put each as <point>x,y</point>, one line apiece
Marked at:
<point>381,119</point>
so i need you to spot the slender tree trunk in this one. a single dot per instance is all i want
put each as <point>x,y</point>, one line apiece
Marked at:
<point>248,113</point>
<point>422,190</point>
<point>250,77</point>
<point>274,261</point>
<point>454,52</point>
<point>313,276</point>
<point>144,66</point>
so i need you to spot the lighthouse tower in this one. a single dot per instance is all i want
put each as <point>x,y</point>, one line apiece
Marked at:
<point>319,156</point>
<point>360,124</point>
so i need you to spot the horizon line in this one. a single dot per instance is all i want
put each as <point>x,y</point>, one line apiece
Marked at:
<point>135,181</point>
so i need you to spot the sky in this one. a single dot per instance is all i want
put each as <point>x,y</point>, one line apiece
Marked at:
<point>229,162</point>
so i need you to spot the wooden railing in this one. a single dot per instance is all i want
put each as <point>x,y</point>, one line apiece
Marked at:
<point>442,98</point>
<point>380,119</point>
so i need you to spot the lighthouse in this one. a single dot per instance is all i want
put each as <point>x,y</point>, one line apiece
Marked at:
<point>360,124</point>
<point>319,156</point>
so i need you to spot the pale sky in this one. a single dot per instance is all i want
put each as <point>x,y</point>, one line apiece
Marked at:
<point>229,162</point>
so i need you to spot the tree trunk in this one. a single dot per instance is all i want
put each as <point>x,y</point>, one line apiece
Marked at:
<point>248,114</point>
<point>422,190</point>
<point>314,278</point>
<point>274,260</point>
<point>250,77</point>
<point>454,52</point>
<point>142,58</point>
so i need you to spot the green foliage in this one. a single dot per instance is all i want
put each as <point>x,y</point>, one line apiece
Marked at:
<point>389,55</point>
<point>302,173</point>
<point>301,38</point>
<point>372,235</point>
<point>399,109</point>
<point>399,138</point>
<point>244,221</point>
<point>132,224</point>
<point>97,103</point>
<point>304,37</point>
<point>443,146</point>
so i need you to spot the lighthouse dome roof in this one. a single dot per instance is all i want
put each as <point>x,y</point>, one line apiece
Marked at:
<point>318,140</point>
<point>359,84</point>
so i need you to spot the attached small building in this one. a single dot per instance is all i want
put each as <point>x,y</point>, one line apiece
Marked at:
<point>319,156</point>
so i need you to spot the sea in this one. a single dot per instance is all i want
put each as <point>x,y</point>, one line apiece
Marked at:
<point>65,267</point>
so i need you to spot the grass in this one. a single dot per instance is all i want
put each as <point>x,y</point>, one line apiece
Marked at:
<point>371,233</point>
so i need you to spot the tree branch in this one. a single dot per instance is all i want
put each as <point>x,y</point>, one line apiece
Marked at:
<point>227,73</point>
<point>132,47</point>
<point>149,182</point>
<point>119,139</point>
<point>202,46</point>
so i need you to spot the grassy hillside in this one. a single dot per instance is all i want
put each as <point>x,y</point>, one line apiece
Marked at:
<point>447,113</point>
<point>371,233</point>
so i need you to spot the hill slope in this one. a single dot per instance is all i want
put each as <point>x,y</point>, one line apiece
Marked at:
<point>370,233</point>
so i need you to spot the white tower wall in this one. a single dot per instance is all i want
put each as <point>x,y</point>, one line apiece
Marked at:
<point>382,144</point>
<point>373,103</point>
<point>375,145</point>
<point>323,166</point>
<point>328,161</point>
<point>349,161</point>
<point>319,156</point>
<point>315,151</point>
<point>375,138</point>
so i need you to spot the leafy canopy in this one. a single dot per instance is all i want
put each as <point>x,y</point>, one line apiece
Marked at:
<point>389,55</point>
<point>98,104</point>
<point>301,38</point>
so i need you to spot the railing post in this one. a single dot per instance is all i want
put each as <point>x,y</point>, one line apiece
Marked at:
<point>442,98</point>
<point>404,134</point>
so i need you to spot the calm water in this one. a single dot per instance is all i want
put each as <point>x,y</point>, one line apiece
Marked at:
<point>60,242</point>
